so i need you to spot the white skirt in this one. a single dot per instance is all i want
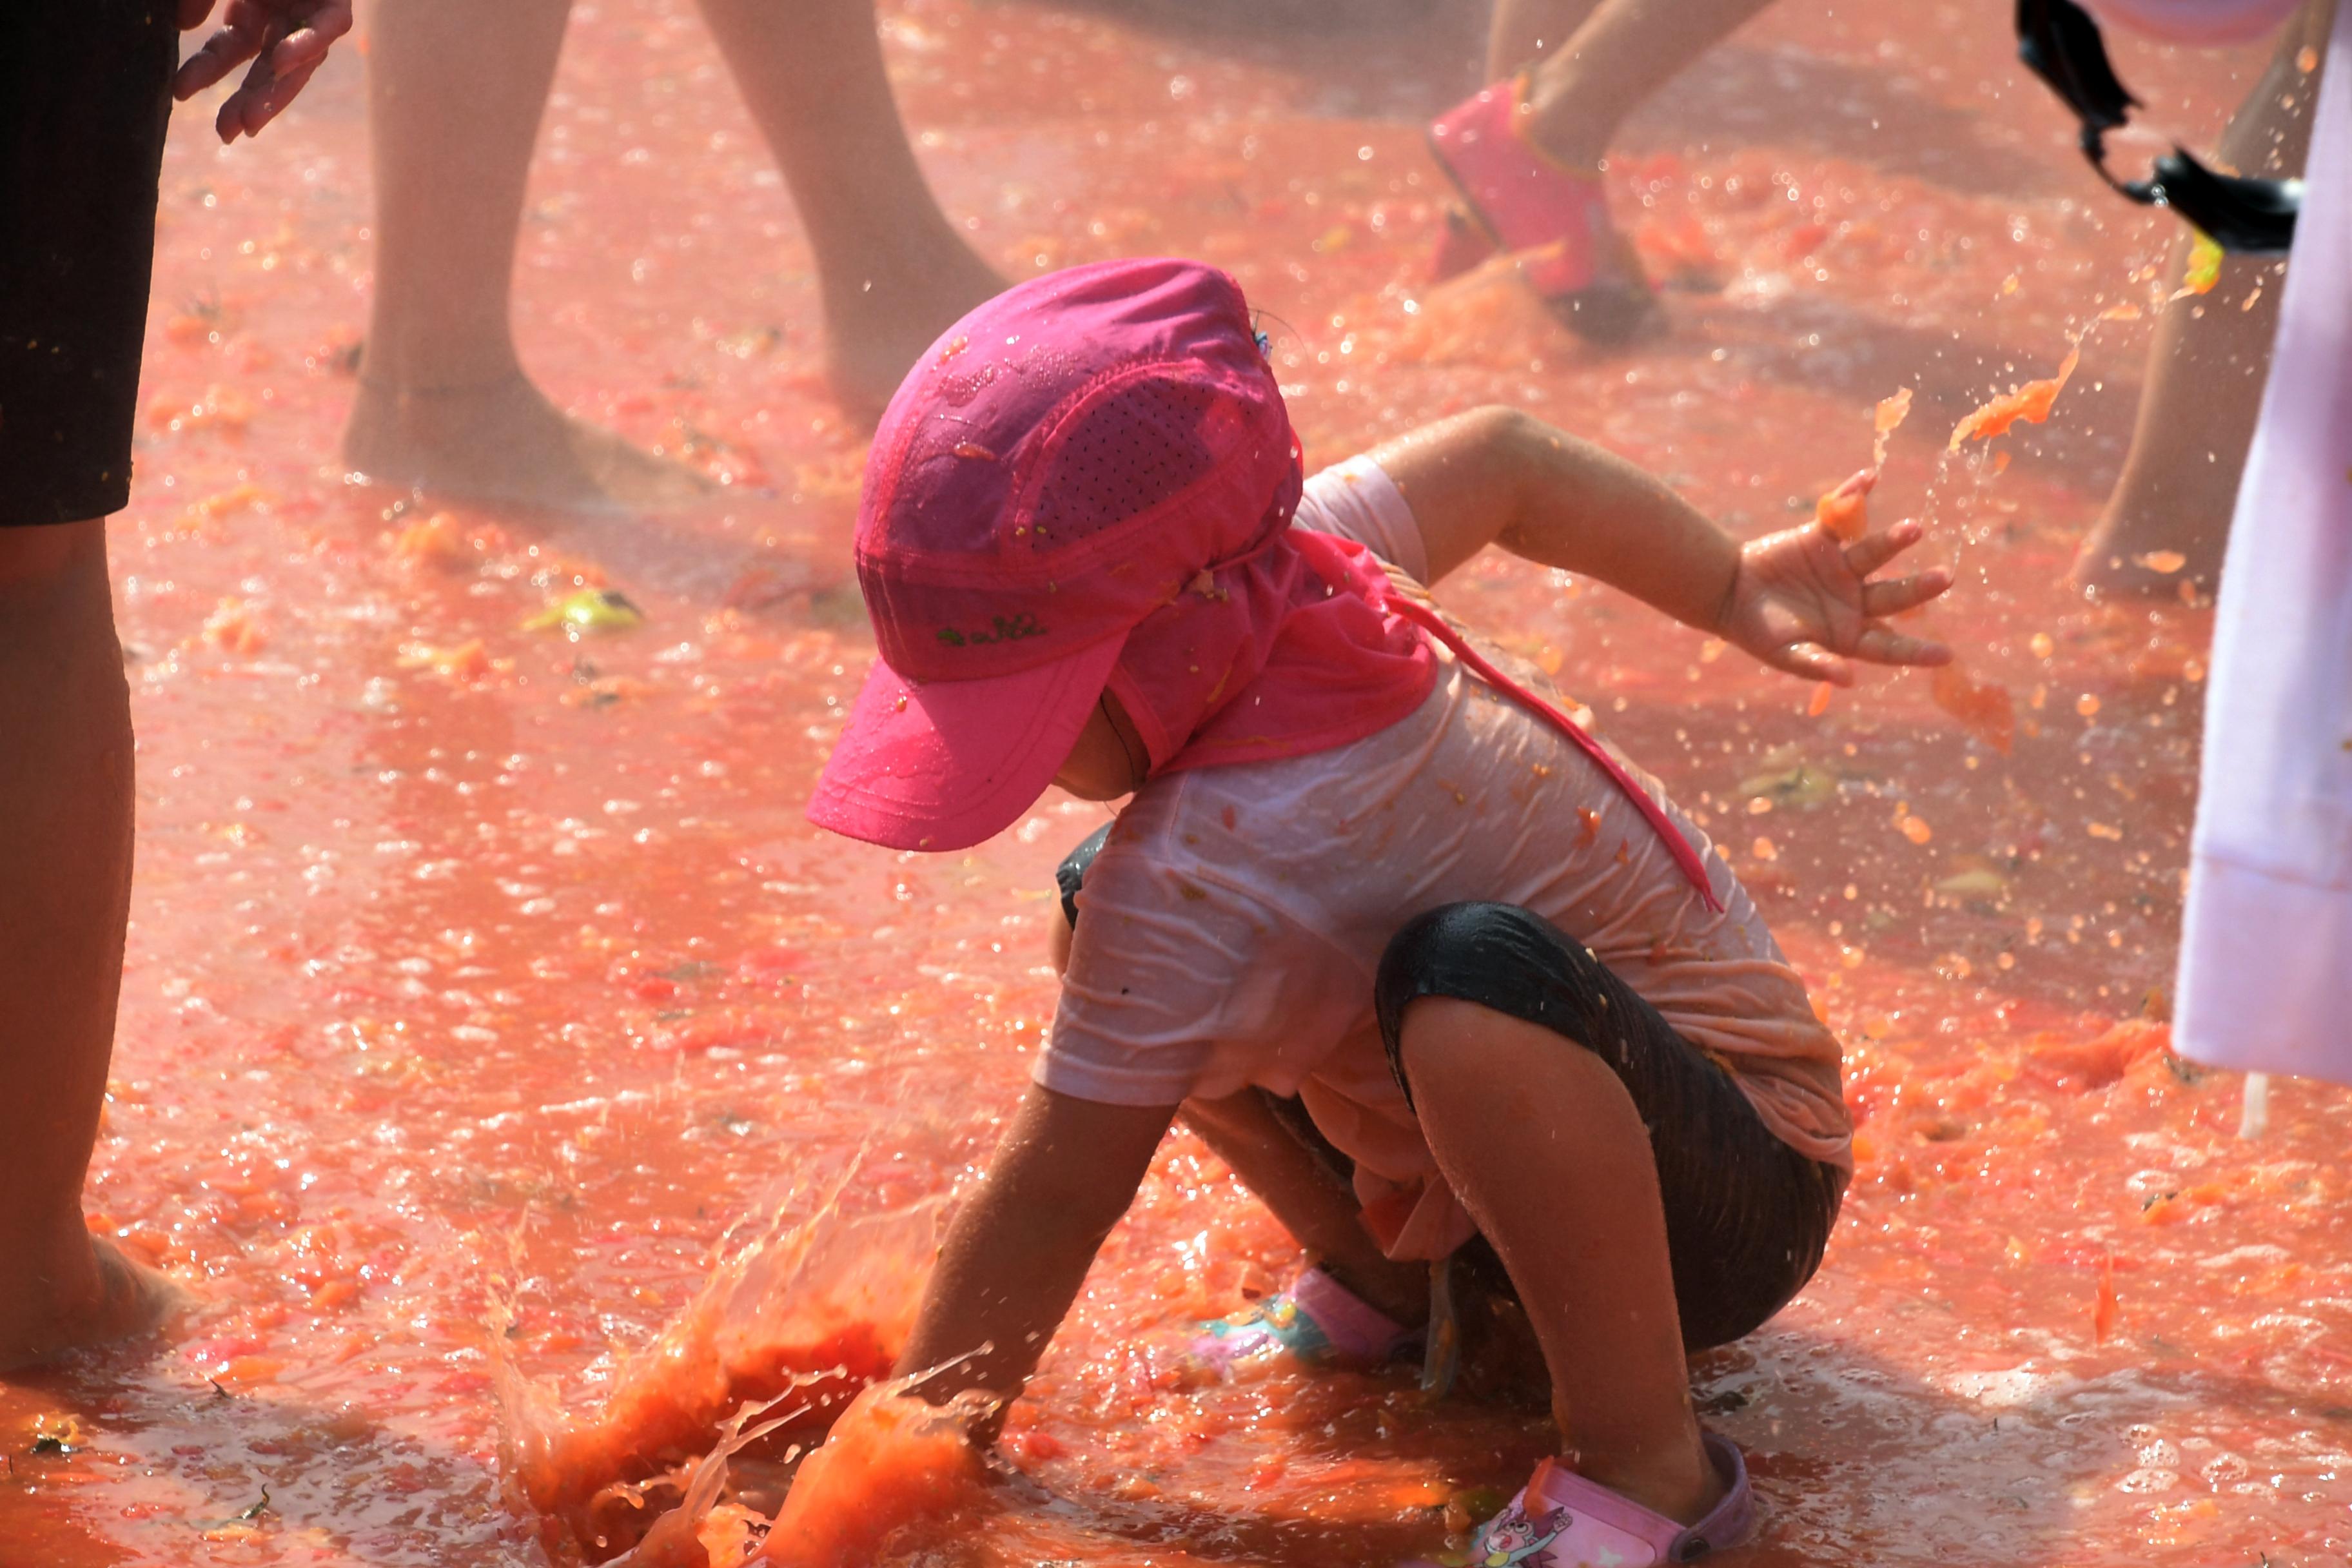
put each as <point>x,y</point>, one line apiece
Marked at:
<point>2267,947</point>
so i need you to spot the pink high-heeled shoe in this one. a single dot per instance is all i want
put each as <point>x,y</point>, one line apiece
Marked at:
<point>1554,219</point>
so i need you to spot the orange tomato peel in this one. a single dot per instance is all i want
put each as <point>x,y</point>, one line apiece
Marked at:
<point>1984,708</point>
<point>1845,513</point>
<point>2031,403</point>
<point>1885,419</point>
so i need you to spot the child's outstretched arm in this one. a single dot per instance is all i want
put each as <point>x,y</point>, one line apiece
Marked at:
<point>1019,1249</point>
<point>1798,600</point>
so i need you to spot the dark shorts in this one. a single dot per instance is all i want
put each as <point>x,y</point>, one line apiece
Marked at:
<point>1747,1216</point>
<point>85,94</point>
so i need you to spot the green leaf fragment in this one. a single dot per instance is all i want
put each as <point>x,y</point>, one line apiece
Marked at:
<point>588,613</point>
<point>1977,884</point>
<point>1803,786</point>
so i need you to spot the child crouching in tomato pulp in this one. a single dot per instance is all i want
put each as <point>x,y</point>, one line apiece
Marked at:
<point>1361,871</point>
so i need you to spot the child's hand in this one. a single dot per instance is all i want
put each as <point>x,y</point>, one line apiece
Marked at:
<point>285,39</point>
<point>1802,602</point>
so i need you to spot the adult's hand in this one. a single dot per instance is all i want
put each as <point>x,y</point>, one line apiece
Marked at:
<point>285,39</point>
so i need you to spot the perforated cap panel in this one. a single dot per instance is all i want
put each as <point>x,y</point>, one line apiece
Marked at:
<point>1147,442</point>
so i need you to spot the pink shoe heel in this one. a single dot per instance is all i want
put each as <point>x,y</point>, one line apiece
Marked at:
<point>1462,245</point>
<point>1559,1520</point>
<point>1555,218</point>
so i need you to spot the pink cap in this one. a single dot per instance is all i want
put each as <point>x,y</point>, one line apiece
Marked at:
<point>1059,465</point>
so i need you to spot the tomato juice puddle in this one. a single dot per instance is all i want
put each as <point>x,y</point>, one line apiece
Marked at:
<point>526,1090</point>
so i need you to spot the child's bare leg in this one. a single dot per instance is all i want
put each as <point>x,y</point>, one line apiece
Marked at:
<point>1313,1204</point>
<point>65,891</point>
<point>2207,364</point>
<point>455,91</point>
<point>895,273</point>
<point>1594,65</point>
<point>1545,1149</point>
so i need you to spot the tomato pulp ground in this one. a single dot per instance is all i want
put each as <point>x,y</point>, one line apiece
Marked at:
<point>481,977</point>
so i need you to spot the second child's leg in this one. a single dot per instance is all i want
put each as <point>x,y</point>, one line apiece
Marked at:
<point>894,273</point>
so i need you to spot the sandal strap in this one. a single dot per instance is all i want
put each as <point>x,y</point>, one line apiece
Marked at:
<point>1726,1524</point>
<point>1356,1329</point>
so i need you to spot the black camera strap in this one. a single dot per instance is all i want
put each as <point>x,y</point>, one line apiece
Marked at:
<point>2059,42</point>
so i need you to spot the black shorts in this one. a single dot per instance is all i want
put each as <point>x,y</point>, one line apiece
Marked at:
<point>1747,1216</point>
<point>85,94</point>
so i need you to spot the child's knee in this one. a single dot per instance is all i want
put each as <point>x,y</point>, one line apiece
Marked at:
<point>1436,1030</point>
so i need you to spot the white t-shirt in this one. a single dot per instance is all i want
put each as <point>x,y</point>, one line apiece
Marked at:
<point>1232,924</point>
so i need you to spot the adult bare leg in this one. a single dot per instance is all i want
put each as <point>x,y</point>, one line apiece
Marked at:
<point>1592,65</point>
<point>893,271</point>
<point>2207,366</point>
<point>1547,1153</point>
<point>1524,31</point>
<point>65,896</point>
<point>456,91</point>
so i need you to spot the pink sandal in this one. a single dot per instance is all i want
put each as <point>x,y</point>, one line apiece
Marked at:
<point>1317,1321</point>
<point>1562,1520</point>
<point>1554,219</point>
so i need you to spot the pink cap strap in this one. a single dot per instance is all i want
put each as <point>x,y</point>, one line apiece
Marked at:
<point>1678,846</point>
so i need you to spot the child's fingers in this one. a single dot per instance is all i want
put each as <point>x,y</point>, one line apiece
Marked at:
<point>1873,550</point>
<point>1812,662</point>
<point>1896,594</point>
<point>193,12</point>
<point>1845,513</point>
<point>1881,645</point>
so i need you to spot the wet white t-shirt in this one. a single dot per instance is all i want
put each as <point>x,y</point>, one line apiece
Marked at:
<point>1232,924</point>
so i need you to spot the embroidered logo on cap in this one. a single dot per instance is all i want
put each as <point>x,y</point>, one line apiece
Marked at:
<point>1004,628</point>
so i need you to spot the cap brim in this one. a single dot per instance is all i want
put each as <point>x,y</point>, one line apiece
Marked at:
<point>943,765</point>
